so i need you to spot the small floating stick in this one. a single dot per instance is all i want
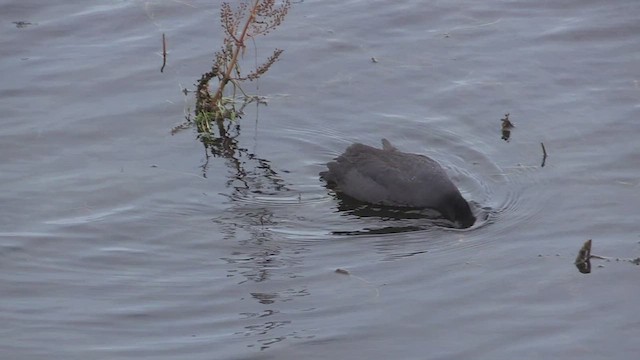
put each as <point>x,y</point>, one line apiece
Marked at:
<point>544,154</point>
<point>164,53</point>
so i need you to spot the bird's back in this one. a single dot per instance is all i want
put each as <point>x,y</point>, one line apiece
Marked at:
<point>388,176</point>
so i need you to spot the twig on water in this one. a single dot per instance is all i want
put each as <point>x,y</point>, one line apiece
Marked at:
<point>164,53</point>
<point>544,154</point>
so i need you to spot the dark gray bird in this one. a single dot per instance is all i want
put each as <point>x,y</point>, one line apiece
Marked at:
<point>391,177</point>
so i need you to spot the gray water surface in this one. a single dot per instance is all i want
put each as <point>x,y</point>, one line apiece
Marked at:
<point>121,241</point>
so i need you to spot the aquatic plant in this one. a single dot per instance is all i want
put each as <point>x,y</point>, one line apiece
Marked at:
<point>247,20</point>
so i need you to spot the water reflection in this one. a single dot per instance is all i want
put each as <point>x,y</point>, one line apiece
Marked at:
<point>264,329</point>
<point>399,219</point>
<point>265,298</point>
<point>259,179</point>
<point>259,258</point>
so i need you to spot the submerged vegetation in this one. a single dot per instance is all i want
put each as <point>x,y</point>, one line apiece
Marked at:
<point>220,98</point>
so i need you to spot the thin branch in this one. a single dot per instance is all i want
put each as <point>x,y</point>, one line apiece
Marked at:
<point>234,59</point>
<point>164,53</point>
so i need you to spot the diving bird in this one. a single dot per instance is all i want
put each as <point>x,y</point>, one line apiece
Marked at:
<point>390,177</point>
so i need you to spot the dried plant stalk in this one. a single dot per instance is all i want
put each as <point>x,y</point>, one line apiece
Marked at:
<point>245,20</point>
<point>260,18</point>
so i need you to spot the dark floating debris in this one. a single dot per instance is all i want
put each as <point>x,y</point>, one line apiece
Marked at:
<point>164,53</point>
<point>506,128</point>
<point>22,24</point>
<point>368,284</point>
<point>583,261</point>
<point>507,125</point>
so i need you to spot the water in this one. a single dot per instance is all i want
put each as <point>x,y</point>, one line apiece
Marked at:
<point>121,241</point>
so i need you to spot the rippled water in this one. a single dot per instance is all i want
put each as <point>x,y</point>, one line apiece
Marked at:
<point>121,241</point>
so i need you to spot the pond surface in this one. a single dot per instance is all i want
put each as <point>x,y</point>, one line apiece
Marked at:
<point>119,240</point>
